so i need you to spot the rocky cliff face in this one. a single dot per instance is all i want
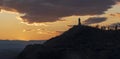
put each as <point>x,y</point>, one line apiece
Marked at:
<point>79,42</point>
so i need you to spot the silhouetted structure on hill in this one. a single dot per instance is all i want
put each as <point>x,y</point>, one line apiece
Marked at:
<point>116,27</point>
<point>79,21</point>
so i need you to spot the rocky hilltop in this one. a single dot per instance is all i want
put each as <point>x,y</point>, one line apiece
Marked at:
<point>79,42</point>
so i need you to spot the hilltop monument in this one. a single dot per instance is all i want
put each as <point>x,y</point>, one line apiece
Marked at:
<point>79,21</point>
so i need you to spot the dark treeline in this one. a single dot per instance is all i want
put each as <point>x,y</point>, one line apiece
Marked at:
<point>115,27</point>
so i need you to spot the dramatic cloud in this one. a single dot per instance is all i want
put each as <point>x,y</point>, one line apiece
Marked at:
<point>94,20</point>
<point>117,0</point>
<point>1,4</point>
<point>53,10</point>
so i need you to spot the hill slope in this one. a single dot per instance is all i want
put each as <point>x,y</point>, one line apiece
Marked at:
<point>79,42</point>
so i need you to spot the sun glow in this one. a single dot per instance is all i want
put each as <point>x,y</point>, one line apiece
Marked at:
<point>12,27</point>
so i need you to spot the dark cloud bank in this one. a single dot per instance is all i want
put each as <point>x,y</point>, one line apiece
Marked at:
<point>94,20</point>
<point>53,10</point>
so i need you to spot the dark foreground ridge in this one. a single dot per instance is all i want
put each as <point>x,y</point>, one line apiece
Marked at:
<point>79,42</point>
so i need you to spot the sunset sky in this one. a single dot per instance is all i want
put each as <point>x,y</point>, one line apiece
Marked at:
<point>44,19</point>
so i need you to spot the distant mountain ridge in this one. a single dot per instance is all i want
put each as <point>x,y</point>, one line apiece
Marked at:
<point>79,42</point>
<point>9,49</point>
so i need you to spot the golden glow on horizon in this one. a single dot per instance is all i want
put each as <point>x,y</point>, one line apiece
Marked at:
<point>12,27</point>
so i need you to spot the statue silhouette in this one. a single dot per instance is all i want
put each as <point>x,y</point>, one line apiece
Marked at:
<point>79,21</point>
